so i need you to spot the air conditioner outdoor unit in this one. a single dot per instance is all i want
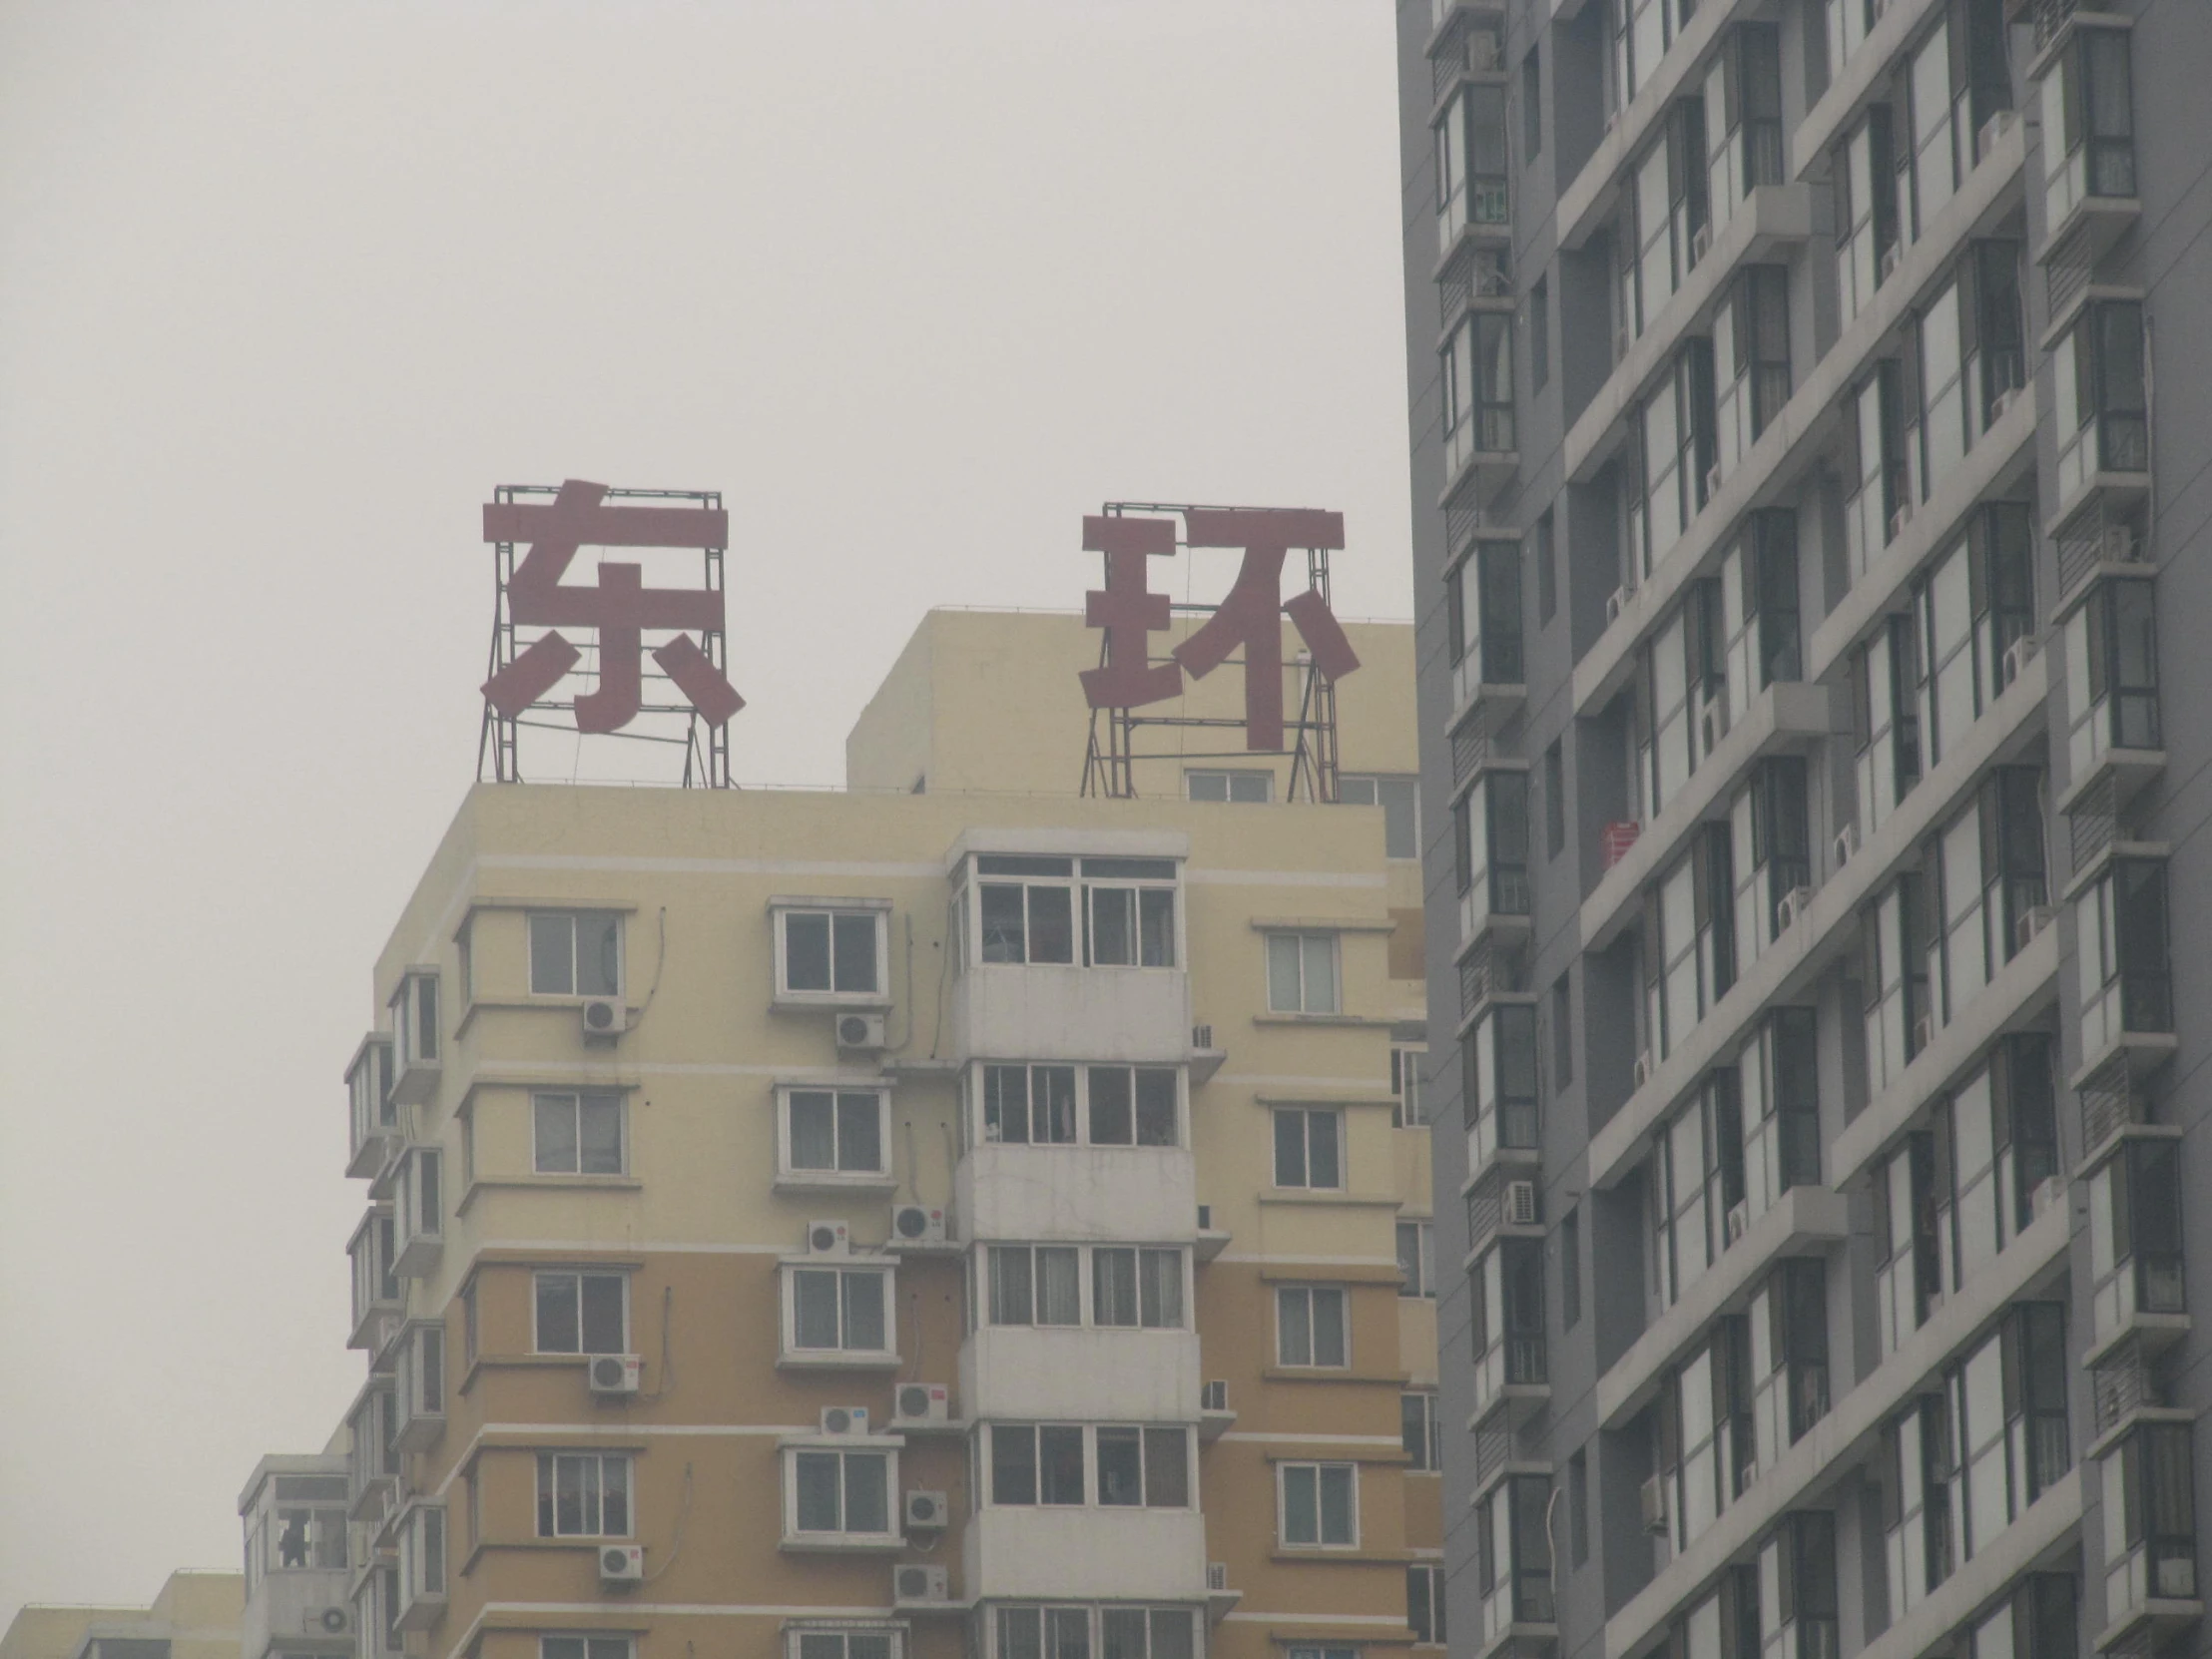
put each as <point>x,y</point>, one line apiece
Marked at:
<point>926,1511</point>
<point>918,1224</point>
<point>616,1374</point>
<point>1643,1068</point>
<point>2118,545</point>
<point>845,1419</point>
<point>1217,1578</point>
<point>1201,1038</point>
<point>621,1563</point>
<point>861,1031</point>
<point>1655,1504</point>
<point>1738,1218</point>
<point>1701,243</point>
<point>1482,54</point>
<point>912,1584</point>
<point>1900,519</point>
<point>827,1238</point>
<point>2032,921</point>
<point>2048,1191</point>
<point>327,1621</point>
<point>1994,131</point>
<point>1520,1203</point>
<point>2020,653</point>
<point>604,1019</point>
<point>1924,1031</point>
<point>1712,481</point>
<point>1847,843</point>
<point>1889,264</point>
<point>2003,402</point>
<point>1615,603</point>
<point>1792,905</point>
<point>922,1403</point>
<point>1214,1395</point>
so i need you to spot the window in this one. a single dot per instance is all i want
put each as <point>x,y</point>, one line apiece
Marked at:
<point>1685,691</point>
<point>1254,787</point>
<point>1506,1318</point>
<point>1129,912</point>
<point>1578,1509</point>
<point>1976,602</point>
<point>1769,853</point>
<point>1881,502</point>
<point>1662,210</point>
<point>1027,921</point>
<point>1066,1632</point>
<point>1513,1556</point>
<point>469,1323</point>
<point>576,1134</point>
<point>1705,1431</point>
<point>1697,1178</point>
<point>1759,586</point>
<point>1750,359</point>
<point>845,1492</point>
<point>1147,1468</point>
<point>1035,1285</point>
<point>1789,1354</point>
<point>305,1527</point>
<point>1562,1032</point>
<point>1547,572</point>
<point>1883,674</point>
<point>1743,116</point>
<point>1691,941</point>
<point>1421,1430</point>
<point>1417,1259</point>
<point>583,1312</point>
<point>584,1495</point>
<point>2120,952</point>
<point>1532,105</point>
<point>1425,1603</point>
<point>1570,1269</point>
<point>2088,124</point>
<point>1116,1105</point>
<point>2008,1421</point>
<point>1499,1059</point>
<point>590,1647</point>
<point>833,953</point>
<point>1493,836</point>
<point>842,1310</point>
<point>837,1131</point>
<point>2102,395</point>
<point>1798,1621</point>
<point>2039,1620</point>
<point>1131,1287</point>
<point>1400,798</point>
<point>1302,973</point>
<point>1777,1083</point>
<point>1642,30</point>
<point>1310,1325</point>
<point>1308,1145</point>
<point>2112,672</point>
<point>1865,205</point>
<point>1540,336</point>
<point>1320,1505</point>
<point>414,1020</point>
<point>1131,1106</point>
<point>1037,1463</point>
<point>1674,439</point>
<point>1407,1109</point>
<point>1029,1105</point>
<point>1470,162</point>
<point>826,1641</point>
<point>575,954</point>
<point>1555,800</point>
<point>1477,377</point>
<point>1893,977</point>
<point>1027,910</point>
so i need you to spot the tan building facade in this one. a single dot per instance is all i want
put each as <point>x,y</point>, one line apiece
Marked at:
<point>945,1214</point>
<point>196,1616</point>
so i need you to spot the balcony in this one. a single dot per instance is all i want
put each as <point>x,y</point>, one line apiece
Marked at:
<point>2121,943</point>
<point>1857,82</point>
<point>1080,1374</point>
<point>1835,1447</point>
<point>1803,1221</point>
<point>372,1121</point>
<point>2016,998</point>
<point>1027,1553</point>
<point>1794,442</point>
<point>2089,191</point>
<point>1489,687</point>
<point>1825,928</point>
<point>1771,217</point>
<point>1047,1193</point>
<point>1787,718</point>
<point>1479,455</point>
<point>2048,1522</point>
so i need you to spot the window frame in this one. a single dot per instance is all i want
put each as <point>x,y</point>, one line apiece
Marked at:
<point>1312,1293</point>
<point>1289,1469</point>
<point>1308,939</point>
<point>579,1275</point>
<point>1316,1127</point>
<point>794,1355</point>
<point>979,1105</point>
<point>577,1099</point>
<point>548,1508</point>
<point>575,920</point>
<point>838,1091</point>
<point>842,1448</point>
<point>879,911</point>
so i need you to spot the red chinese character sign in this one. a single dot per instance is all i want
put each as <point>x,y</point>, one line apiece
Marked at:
<point>689,701</point>
<point>1249,620</point>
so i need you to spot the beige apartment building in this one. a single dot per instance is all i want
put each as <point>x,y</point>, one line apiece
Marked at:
<point>196,1616</point>
<point>949,1215</point>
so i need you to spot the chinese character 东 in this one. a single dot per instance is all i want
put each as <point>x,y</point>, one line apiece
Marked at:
<point>1250,617</point>
<point>620,605</point>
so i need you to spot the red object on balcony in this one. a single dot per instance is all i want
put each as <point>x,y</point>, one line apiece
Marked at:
<point>1619,837</point>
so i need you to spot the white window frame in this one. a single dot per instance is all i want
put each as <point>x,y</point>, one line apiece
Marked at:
<point>590,1644</point>
<point>1282,1474</point>
<point>1306,940</point>
<point>880,910</point>
<point>844,1445</point>
<point>789,1174</point>
<point>1080,881</point>
<point>1434,1573</point>
<point>1408,1110</point>
<point>576,1099</point>
<point>1231,777</point>
<point>1344,1327</point>
<point>1336,1117</point>
<point>575,961</point>
<point>1093,1478</point>
<point>793,1355</point>
<point>624,1460</point>
<point>795,1633</point>
<point>1422,1286</point>
<point>1086,1270</point>
<point>424,1573</point>
<point>1431,1459</point>
<point>994,1644</point>
<point>579,1275</point>
<point>981,1132</point>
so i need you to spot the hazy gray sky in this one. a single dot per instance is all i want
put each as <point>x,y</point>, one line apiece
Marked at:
<point>286,289</point>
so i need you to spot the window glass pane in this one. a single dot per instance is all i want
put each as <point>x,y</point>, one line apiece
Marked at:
<point>1155,1107</point>
<point>1160,1289</point>
<point>1289,1148</point>
<point>1113,926</point>
<point>1283,980</point>
<point>1337,1520</point>
<point>1006,1104</point>
<point>1120,1466</point>
<point>558,1331</point>
<point>1322,1145</point>
<point>598,954</point>
<point>614,1480</point>
<point>1010,1291</point>
<point>814,1307</point>
<point>817,1479</point>
<point>1121,1632</point>
<point>600,1139</point>
<point>552,955</point>
<point>807,952</point>
<point>813,1140</point>
<point>603,1323</point>
<point>1059,1286</point>
<point>1156,928</point>
<point>556,1134</point>
<point>1020,1634</point>
<point>1013,1465</point>
<point>854,952</point>
<point>1320,974</point>
<point>1112,1118</point>
<point>864,1312</point>
<point>1068,1632</point>
<point>1167,1468</point>
<point>1004,933</point>
<point>860,1133</point>
<point>1293,1328</point>
<point>1113,1286</point>
<point>1171,1634</point>
<point>1053,1097</point>
<point>1329,1328</point>
<point>1051,925</point>
<point>1060,1465</point>
<point>867,1493</point>
<point>1301,1504</point>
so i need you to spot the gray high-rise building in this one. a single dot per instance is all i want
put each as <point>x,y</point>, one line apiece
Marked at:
<point>1810,406</point>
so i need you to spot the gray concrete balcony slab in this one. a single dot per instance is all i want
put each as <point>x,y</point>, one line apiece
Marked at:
<point>1797,436</point>
<point>1825,928</point>
<point>1787,717</point>
<point>2050,1521</point>
<point>1835,1445</point>
<point>1803,1219</point>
